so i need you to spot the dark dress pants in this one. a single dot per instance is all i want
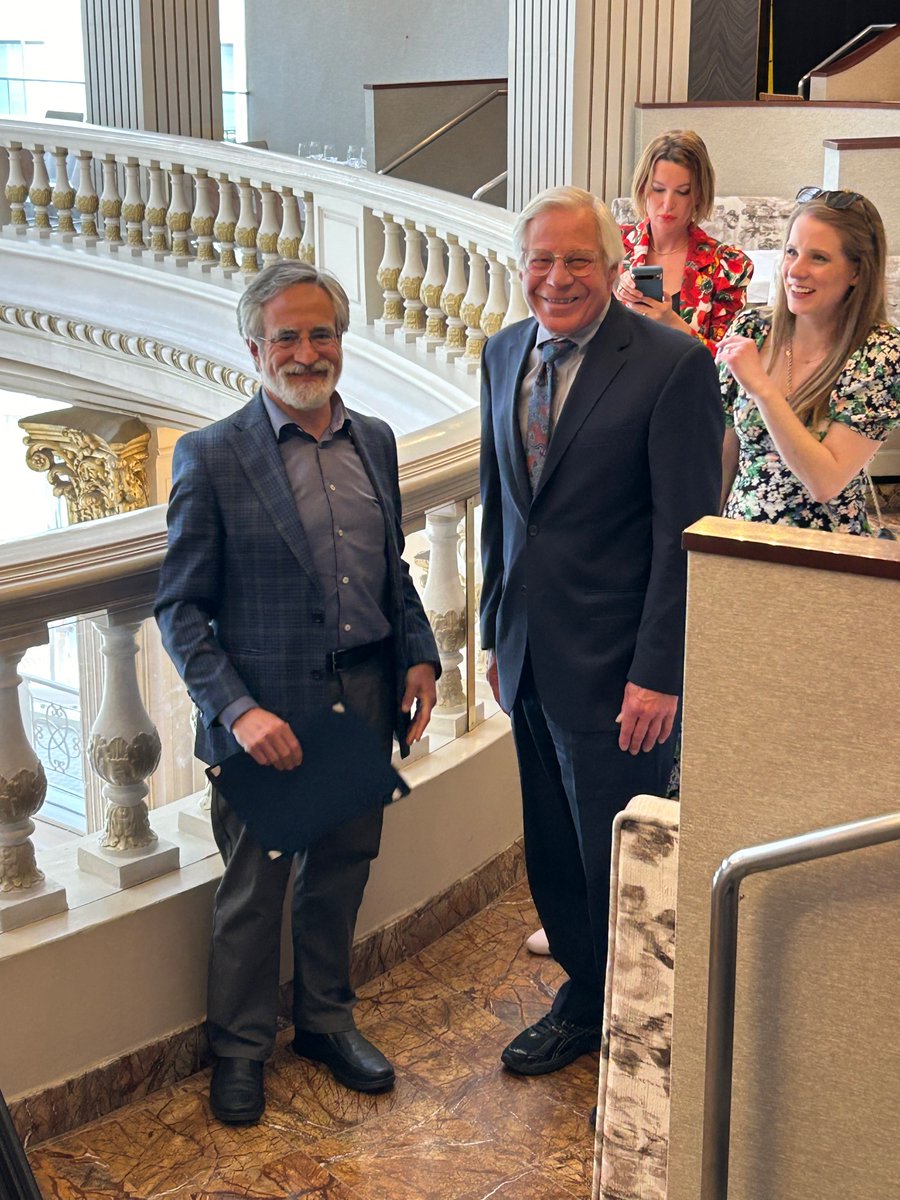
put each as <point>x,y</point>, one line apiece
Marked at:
<point>330,879</point>
<point>573,784</point>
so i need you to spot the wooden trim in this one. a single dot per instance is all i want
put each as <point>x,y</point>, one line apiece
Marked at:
<point>859,55</point>
<point>689,104</point>
<point>423,83</point>
<point>882,143</point>
<point>792,547</point>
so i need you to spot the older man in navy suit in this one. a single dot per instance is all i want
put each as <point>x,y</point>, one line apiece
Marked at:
<point>601,440</point>
<point>283,590</point>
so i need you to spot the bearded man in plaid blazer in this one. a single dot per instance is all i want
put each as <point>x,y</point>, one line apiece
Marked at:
<point>282,591</point>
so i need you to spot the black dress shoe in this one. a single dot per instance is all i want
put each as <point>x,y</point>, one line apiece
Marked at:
<point>236,1092</point>
<point>351,1058</point>
<point>548,1045</point>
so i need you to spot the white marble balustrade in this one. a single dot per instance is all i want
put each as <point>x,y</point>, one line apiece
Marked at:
<point>434,273</point>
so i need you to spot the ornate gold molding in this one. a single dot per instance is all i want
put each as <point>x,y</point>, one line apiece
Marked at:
<point>129,345</point>
<point>96,461</point>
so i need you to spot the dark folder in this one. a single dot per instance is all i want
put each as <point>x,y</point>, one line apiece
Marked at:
<point>344,774</point>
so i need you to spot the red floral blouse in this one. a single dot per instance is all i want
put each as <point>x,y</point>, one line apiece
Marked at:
<point>714,285</point>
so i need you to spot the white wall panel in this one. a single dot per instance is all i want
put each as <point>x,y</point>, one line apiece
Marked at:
<point>577,69</point>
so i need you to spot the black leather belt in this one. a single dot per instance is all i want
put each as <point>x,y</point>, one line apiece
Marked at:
<point>354,656</point>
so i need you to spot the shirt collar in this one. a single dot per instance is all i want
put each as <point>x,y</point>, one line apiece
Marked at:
<point>581,338</point>
<point>278,418</point>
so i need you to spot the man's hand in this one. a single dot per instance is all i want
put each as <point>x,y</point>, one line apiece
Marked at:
<point>421,689</point>
<point>646,718</point>
<point>492,676</point>
<point>267,739</point>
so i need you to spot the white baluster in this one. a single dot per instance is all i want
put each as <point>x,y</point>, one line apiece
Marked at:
<point>308,245</point>
<point>178,216</point>
<point>157,203</point>
<point>409,285</point>
<point>39,192</point>
<point>226,221</point>
<point>25,894</point>
<point>495,307</point>
<point>196,820</point>
<point>86,200</point>
<point>245,231</point>
<point>111,201</point>
<point>517,309</point>
<point>471,310</point>
<point>444,599</point>
<point>63,197</point>
<point>16,190</point>
<point>133,207</point>
<point>432,289</point>
<point>289,238</point>
<point>269,225</point>
<point>204,219</point>
<point>388,277</point>
<point>451,302</point>
<point>124,750</point>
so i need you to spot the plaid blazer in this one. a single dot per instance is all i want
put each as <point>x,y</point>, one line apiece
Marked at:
<point>239,606</point>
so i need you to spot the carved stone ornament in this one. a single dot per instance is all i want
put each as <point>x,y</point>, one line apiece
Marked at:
<point>127,828</point>
<point>129,345</point>
<point>125,763</point>
<point>18,869</point>
<point>20,798</point>
<point>95,460</point>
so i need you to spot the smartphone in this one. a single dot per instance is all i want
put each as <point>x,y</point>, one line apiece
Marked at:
<point>649,281</point>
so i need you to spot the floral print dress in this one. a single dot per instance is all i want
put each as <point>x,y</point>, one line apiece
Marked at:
<point>714,284</point>
<point>866,397</point>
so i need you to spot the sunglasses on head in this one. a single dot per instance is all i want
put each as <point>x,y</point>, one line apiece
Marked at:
<point>837,200</point>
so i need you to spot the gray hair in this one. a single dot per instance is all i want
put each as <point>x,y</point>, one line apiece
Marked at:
<point>609,240</point>
<point>277,278</point>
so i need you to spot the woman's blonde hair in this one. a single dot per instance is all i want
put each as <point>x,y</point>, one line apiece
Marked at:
<point>861,232</point>
<point>687,149</point>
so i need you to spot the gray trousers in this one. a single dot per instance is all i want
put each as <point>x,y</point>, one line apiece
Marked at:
<point>330,879</point>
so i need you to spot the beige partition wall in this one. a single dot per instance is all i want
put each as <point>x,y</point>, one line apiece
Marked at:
<point>576,69</point>
<point>154,64</point>
<point>791,724</point>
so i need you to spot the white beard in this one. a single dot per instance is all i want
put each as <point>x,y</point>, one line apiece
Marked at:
<point>307,391</point>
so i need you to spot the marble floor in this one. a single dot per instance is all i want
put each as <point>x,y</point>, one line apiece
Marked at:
<point>457,1126</point>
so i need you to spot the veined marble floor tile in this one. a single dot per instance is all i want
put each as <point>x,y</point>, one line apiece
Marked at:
<point>439,1158</point>
<point>457,1126</point>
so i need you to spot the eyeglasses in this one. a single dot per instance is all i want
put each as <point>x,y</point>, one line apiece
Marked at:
<point>289,339</point>
<point>836,200</point>
<point>540,262</point>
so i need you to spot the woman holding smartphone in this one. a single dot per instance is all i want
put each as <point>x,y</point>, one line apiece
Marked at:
<point>812,390</point>
<point>704,282</point>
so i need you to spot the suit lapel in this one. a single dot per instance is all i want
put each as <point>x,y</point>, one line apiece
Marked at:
<point>516,365</point>
<point>604,358</point>
<point>259,457</point>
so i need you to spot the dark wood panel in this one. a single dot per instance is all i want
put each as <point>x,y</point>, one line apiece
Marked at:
<point>724,50</point>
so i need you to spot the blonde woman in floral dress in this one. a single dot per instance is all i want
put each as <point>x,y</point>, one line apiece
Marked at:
<point>811,391</point>
<point>704,281</point>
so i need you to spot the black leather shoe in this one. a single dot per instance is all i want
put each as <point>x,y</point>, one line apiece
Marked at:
<point>548,1045</point>
<point>351,1058</point>
<point>236,1092</point>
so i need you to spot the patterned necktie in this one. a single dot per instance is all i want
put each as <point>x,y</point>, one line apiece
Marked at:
<point>540,407</point>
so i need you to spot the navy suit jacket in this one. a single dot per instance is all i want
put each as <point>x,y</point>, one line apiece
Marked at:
<point>240,606</point>
<point>590,573</point>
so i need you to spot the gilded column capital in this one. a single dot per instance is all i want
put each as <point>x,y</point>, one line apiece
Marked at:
<point>97,461</point>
